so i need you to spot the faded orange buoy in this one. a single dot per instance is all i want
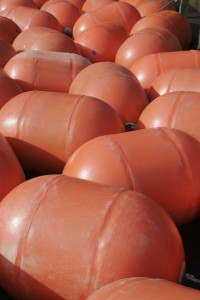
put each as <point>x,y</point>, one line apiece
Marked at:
<point>101,42</point>
<point>113,84</point>
<point>44,39</point>
<point>94,4</point>
<point>145,289</point>
<point>102,233</point>
<point>118,13</point>
<point>181,79</point>
<point>4,4</point>
<point>7,51</point>
<point>180,110</point>
<point>161,163</point>
<point>144,42</point>
<point>149,67</point>
<point>26,17</point>
<point>149,7</point>
<point>46,71</point>
<point>9,30</point>
<point>53,126</point>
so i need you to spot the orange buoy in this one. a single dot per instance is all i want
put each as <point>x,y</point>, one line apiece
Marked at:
<point>149,7</point>
<point>44,39</point>
<point>94,4</point>
<point>7,51</point>
<point>113,84</point>
<point>145,289</point>
<point>181,79</point>
<point>150,66</point>
<point>180,110</point>
<point>144,42</point>
<point>118,13</point>
<point>56,224</point>
<point>53,126</point>
<point>4,4</point>
<point>45,71</point>
<point>161,163</point>
<point>9,30</point>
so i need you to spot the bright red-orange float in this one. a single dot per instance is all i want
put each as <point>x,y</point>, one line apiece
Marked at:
<point>53,126</point>
<point>100,232</point>
<point>179,110</point>
<point>145,289</point>
<point>113,84</point>
<point>45,70</point>
<point>161,163</point>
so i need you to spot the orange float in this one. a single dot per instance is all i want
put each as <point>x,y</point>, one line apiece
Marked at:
<point>145,289</point>
<point>149,7</point>
<point>149,67</point>
<point>170,20</point>
<point>4,4</point>
<point>161,163</point>
<point>11,171</point>
<point>26,17</point>
<point>118,13</point>
<point>181,79</point>
<point>64,11</point>
<point>40,3</point>
<point>113,84</point>
<point>78,3</point>
<point>6,53</point>
<point>46,71</point>
<point>71,237</point>
<point>9,88</point>
<point>9,30</point>
<point>180,110</point>
<point>94,4</point>
<point>144,42</point>
<point>53,126</point>
<point>44,39</point>
<point>101,42</point>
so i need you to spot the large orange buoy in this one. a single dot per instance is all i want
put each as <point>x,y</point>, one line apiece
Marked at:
<point>11,173</point>
<point>4,4</point>
<point>149,67</point>
<point>118,13</point>
<point>26,17</point>
<point>145,289</point>
<point>44,39</point>
<point>9,88</point>
<point>113,84</point>
<point>53,126</point>
<point>101,42</point>
<point>46,71</point>
<point>161,163</point>
<point>9,30</point>
<point>170,20</point>
<point>179,110</point>
<point>65,12</point>
<point>181,79</point>
<point>146,41</point>
<point>70,237</point>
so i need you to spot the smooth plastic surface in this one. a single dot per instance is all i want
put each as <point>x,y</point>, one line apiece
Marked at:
<point>45,128</point>
<point>8,87</point>
<point>4,4</point>
<point>113,84</point>
<point>45,71</point>
<point>179,110</point>
<point>145,289</point>
<point>27,17</point>
<point>181,79</point>
<point>44,39</point>
<point>11,173</point>
<point>94,4</point>
<point>144,42</point>
<point>170,20</point>
<point>9,30</point>
<point>118,13</point>
<point>161,163</point>
<point>65,12</point>
<point>70,237</point>
<point>149,67</point>
<point>40,3</point>
<point>101,42</point>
